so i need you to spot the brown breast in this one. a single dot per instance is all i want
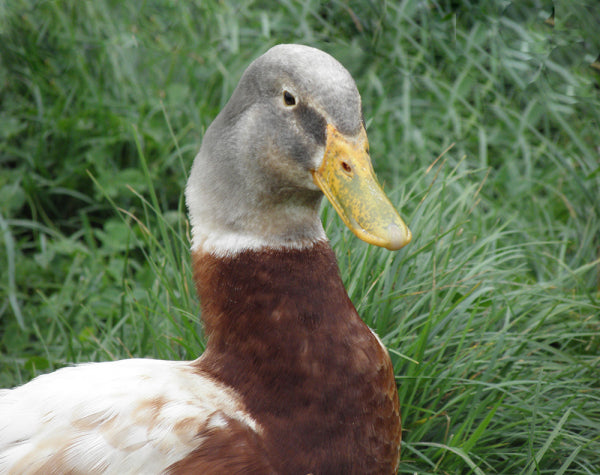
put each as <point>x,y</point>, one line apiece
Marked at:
<point>284,334</point>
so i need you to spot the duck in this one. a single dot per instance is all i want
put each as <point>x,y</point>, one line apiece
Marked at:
<point>292,381</point>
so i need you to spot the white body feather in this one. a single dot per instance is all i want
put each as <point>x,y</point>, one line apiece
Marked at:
<point>117,417</point>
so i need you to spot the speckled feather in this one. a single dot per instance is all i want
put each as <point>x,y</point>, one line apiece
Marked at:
<point>129,416</point>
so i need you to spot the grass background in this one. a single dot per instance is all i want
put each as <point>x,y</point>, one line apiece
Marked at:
<point>484,124</point>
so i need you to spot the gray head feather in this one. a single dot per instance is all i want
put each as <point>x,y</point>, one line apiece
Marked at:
<point>252,175</point>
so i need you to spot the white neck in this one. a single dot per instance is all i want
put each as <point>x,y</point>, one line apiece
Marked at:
<point>225,243</point>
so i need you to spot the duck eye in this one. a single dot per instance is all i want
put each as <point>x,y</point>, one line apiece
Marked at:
<point>288,99</point>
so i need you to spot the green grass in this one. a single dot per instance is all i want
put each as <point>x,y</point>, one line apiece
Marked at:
<point>484,125</point>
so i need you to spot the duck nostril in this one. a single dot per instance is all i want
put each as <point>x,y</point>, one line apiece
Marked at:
<point>347,168</point>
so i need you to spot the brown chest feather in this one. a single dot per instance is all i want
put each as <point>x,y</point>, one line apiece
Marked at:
<point>283,333</point>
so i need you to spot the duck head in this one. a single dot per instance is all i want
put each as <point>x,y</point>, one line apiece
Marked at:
<point>292,131</point>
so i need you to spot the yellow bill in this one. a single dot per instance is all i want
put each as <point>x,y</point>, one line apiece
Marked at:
<point>347,179</point>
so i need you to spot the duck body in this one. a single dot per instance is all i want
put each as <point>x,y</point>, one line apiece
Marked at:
<point>286,386</point>
<point>292,381</point>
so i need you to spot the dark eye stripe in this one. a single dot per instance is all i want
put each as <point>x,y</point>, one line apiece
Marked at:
<point>312,122</point>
